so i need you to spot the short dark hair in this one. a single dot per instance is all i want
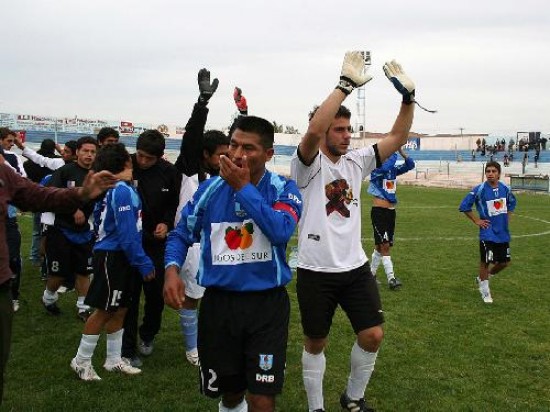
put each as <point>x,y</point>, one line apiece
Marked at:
<point>85,140</point>
<point>47,148</point>
<point>106,132</point>
<point>343,111</point>
<point>494,164</point>
<point>5,132</point>
<point>253,124</point>
<point>212,139</point>
<point>111,157</point>
<point>151,142</point>
<point>71,144</point>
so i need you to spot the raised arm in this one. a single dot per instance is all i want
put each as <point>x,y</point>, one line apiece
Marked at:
<point>353,75</point>
<point>400,130</point>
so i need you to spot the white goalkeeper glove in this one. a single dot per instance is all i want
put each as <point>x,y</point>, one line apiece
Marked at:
<point>353,72</point>
<point>402,82</point>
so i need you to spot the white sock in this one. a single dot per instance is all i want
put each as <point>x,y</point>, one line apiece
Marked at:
<point>484,286</point>
<point>313,372</point>
<point>49,297</point>
<point>362,365</point>
<point>241,407</point>
<point>388,267</point>
<point>375,261</point>
<point>86,348</point>
<point>80,304</point>
<point>114,347</point>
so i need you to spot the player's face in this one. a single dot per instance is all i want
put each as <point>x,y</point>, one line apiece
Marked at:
<point>249,145</point>
<point>213,160</point>
<point>338,137</point>
<point>67,154</point>
<point>8,142</point>
<point>85,156</point>
<point>109,140</point>
<point>492,174</point>
<point>145,160</point>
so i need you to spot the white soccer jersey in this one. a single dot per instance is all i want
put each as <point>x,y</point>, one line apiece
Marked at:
<point>329,237</point>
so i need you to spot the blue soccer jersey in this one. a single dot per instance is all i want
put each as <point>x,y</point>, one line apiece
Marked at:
<point>243,235</point>
<point>492,204</point>
<point>118,226</point>
<point>383,183</point>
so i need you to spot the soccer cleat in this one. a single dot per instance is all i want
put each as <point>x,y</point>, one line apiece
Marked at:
<point>134,361</point>
<point>85,372</point>
<point>359,405</point>
<point>487,298</point>
<point>394,283</point>
<point>122,366</point>
<point>145,348</point>
<point>52,309</point>
<point>193,357</point>
<point>84,314</point>
<point>15,305</point>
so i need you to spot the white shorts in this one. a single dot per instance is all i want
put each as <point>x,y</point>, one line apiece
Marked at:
<point>189,271</point>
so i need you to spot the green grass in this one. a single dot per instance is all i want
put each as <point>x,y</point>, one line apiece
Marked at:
<point>444,349</point>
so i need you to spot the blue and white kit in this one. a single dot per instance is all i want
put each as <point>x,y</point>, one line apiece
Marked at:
<point>383,183</point>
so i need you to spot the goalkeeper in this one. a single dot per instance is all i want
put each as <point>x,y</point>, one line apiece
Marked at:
<point>333,268</point>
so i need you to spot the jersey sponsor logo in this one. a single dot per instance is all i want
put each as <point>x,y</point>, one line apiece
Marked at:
<point>339,195</point>
<point>125,208</point>
<point>265,378</point>
<point>266,362</point>
<point>390,186</point>
<point>164,189</point>
<point>312,236</point>
<point>237,243</point>
<point>497,206</point>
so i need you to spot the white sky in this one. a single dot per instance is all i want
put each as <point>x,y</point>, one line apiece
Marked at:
<point>485,64</point>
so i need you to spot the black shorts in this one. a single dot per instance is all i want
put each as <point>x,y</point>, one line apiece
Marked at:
<point>383,224</point>
<point>113,281</point>
<point>491,252</point>
<point>319,294</point>
<point>242,341</point>
<point>65,258</point>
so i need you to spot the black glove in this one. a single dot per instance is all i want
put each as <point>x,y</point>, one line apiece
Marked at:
<point>206,88</point>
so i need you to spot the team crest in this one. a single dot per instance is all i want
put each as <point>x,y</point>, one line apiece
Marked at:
<point>266,362</point>
<point>339,195</point>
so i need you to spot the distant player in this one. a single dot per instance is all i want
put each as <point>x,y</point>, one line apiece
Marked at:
<point>494,203</point>
<point>383,188</point>
<point>118,260</point>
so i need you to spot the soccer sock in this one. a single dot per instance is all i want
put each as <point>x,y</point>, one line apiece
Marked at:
<point>241,407</point>
<point>484,286</point>
<point>80,303</point>
<point>375,261</point>
<point>86,348</point>
<point>49,297</point>
<point>388,267</point>
<point>189,327</point>
<point>362,365</point>
<point>313,371</point>
<point>114,347</point>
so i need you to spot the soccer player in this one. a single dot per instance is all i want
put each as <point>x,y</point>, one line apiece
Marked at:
<point>158,183</point>
<point>332,267</point>
<point>198,160</point>
<point>118,260</point>
<point>383,187</point>
<point>243,219</point>
<point>29,196</point>
<point>69,239</point>
<point>494,203</point>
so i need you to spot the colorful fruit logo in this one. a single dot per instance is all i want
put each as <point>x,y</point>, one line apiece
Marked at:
<point>497,204</point>
<point>239,238</point>
<point>390,184</point>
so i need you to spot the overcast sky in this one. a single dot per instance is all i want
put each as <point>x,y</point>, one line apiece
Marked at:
<point>484,65</point>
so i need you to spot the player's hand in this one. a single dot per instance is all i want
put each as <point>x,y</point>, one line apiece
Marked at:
<point>483,223</point>
<point>150,276</point>
<point>18,142</point>
<point>206,88</point>
<point>402,82</point>
<point>161,231</point>
<point>95,184</point>
<point>79,217</point>
<point>353,72</point>
<point>174,289</point>
<point>237,175</point>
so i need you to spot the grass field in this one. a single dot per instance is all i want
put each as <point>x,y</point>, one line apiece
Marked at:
<point>444,349</point>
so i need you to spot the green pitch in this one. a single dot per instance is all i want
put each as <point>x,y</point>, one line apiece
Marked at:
<point>444,349</point>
